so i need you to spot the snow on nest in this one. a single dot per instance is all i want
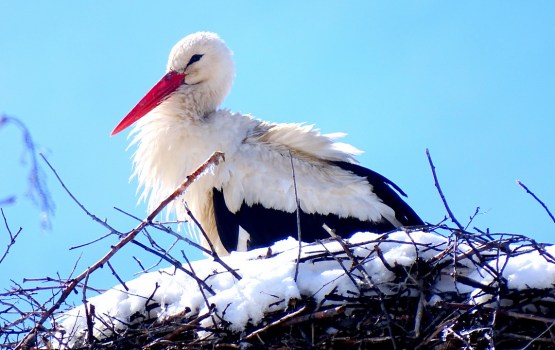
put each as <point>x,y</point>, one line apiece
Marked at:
<point>268,283</point>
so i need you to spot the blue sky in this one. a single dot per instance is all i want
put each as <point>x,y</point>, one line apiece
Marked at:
<point>474,82</point>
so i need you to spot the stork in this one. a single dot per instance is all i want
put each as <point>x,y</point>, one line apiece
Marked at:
<point>271,170</point>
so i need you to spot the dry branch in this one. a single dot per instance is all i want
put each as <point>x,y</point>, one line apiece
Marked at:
<point>214,160</point>
<point>13,237</point>
<point>212,251</point>
<point>436,182</point>
<point>402,312</point>
<point>536,198</point>
<point>391,314</point>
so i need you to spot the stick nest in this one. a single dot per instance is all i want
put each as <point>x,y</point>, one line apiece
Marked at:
<point>408,311</point>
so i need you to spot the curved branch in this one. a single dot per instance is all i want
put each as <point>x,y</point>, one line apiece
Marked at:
<point>215,159</point>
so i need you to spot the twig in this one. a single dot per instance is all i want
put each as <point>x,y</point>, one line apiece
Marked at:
<point>13,237</point>
<point>91,242</point>
<point>455,221</point>
<point>139,262</point>
<point>347,272</point>
<point>160,226</point>
<point>275,323</point>
<point>176,264</point>
<point>354,260</point>
<point>208,305</point>
<point>419,311</point>
<point>148,305</point>
<point>193,324</point>
<point>92,216</point>
<point>89,313</point>
<point>368,280</point>
<point>164,251</point>
<point>540,335</point>
<point>215,159</point>
<point>382,258</point>
<point>517,315</point>
<point>319,315</point>
<point>298,213</point>
<point>472,217</point>
<point>117,276</point>
<point>536,198</point>
<point>212,251</point>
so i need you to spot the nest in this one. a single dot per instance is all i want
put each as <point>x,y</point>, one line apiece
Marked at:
<point>436,302</point>
<point>433,287</point>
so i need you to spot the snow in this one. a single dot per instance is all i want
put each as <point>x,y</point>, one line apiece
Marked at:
<point>268,282</point>
<point>530,270</point>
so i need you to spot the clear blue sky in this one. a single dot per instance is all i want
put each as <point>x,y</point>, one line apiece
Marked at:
<point>472,81</point>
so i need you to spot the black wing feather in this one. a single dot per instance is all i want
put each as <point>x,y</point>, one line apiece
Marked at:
<point>226,222</point>
<point>268,225</point>
<point>383,188</point>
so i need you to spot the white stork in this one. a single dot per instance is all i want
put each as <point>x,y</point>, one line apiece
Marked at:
<point>250,199</point>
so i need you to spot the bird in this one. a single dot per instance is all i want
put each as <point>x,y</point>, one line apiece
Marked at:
<point>277,180</point>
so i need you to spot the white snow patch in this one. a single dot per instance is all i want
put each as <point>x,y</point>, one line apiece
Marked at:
<point>268,283</point>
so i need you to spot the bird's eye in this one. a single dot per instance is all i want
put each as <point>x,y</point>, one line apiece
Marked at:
<point>194,58</point>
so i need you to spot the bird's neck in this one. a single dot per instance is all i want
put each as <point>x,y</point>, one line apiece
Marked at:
<point>191,103</point>
<point>174,139</point>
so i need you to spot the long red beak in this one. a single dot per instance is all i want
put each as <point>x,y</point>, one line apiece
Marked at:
<point>159,92</point>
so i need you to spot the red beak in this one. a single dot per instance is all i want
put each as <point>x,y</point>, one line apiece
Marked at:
<point>159,92</point>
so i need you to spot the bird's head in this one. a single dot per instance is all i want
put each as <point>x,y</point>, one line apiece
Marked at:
<point>201,64</point>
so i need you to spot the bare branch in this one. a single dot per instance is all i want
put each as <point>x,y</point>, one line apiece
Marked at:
<point>13,237</point>
<point>215,159</point>
<point>432,166</point>
<point>536,198</point>
<point>115,274</point>
<point>298,213</point>
<point>276,323</point>
<point>92,216</point>
<point>212,251</point>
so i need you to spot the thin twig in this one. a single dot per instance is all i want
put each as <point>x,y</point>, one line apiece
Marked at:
<point>89,313</point>
<point>347,272</point>
<point>148,305</point>
<point>160,226</point>
<point>354,260</point>
<point>117,276</point>
<point>432,166</point>
<point>368,280</point>
<point>472,217</point>
<point>91,215</point>
<point>319,315</point>
<point>419,311</point>
<point>207,303</point>
<point>298,213</point>
<point>276,323</point>
<point>91,242</point>
<point>212,252</point>
<point>193,324</point>
<point>139,262</point>
<point>215,159</point>
<point>176,264</point>
<point>385,263</point>
<point>540,335</point>
<point>13,237</point>
<point>536,198</point>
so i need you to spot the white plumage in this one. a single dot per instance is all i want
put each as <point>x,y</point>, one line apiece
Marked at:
<point>253,190</point>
